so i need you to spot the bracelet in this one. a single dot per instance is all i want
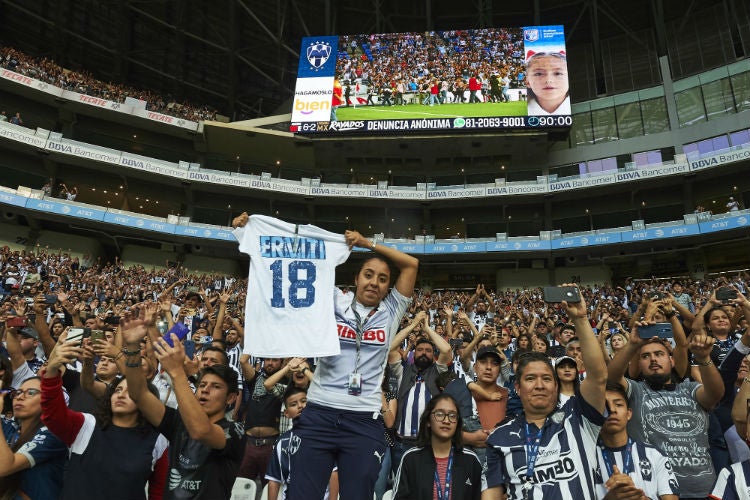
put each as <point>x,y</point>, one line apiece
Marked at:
<point>133,365</point>
<point>373,246</point>
<point>707,363</point>
<point>670,314</point>
<point>130,353</point>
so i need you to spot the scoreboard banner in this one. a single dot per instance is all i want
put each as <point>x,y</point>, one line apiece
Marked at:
<point>405,83</point>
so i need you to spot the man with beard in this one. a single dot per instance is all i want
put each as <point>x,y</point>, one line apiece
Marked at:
<point>261,417</point>
<point>482,313</point>
<point>672,414</point>
<point>417,383</point>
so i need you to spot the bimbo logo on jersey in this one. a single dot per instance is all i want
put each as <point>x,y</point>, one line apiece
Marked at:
<point>369,336</point>
<point>292,247</point>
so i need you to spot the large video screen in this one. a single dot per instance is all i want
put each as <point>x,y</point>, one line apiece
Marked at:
<point>401,83</point>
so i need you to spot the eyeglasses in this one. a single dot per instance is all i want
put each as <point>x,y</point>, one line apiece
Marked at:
<point>27,393</point>
<point>441,415</point>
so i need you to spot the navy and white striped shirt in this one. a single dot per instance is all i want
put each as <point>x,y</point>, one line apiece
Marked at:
<point>651,471</point>
<point>565,464</point>
<point>733,483</point>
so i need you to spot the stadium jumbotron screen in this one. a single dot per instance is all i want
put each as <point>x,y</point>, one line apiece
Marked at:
<point>507,78</point>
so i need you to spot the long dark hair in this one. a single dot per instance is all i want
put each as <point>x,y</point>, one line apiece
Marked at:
<point>10,485</point>
<point>424,436</point>
<point>7,379</point>
<point>104,414</point>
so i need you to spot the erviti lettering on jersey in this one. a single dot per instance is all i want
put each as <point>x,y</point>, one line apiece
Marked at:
<point>290,247</point>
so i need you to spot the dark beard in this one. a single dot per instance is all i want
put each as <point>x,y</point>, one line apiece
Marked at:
<point>422,362</point>
<point>657,382</point>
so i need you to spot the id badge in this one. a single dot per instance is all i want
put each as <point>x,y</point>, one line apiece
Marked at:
<point>355,384</point>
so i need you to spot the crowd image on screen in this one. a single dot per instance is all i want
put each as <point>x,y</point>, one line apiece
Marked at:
<point>479,345</point>
<point>452,66</point>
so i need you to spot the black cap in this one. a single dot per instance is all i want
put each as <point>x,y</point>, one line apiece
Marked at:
<point>29,331</point>
<point>488,351</point>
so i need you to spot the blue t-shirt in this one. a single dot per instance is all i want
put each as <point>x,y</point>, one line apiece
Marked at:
<point>47,456</point>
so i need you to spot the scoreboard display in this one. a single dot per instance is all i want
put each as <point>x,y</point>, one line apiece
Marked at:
<point>401,83</point>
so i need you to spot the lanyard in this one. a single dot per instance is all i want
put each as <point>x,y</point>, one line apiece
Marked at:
<point>609,458</point>
<point>444,493</point>
<point>360,329</point>
<point>532,450</point>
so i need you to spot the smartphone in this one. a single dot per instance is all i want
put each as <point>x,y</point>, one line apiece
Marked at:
<point>50,299</point>
<point>16,322</point>
<point>76,335</point>
<point>97,335</point>
<point>178,329</point>
<point>60,315</point>
<point>555,294</point>
<point>189,348</point>
<point>661,330</point>
<point>656,295</point>
<point>725,294</point>
<point>112,320</point>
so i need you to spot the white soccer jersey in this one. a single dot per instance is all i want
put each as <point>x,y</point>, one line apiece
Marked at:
<point>289,307</point>
<point>650,470</point>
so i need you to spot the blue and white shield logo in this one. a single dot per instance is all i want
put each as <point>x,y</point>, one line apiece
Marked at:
<point>531,35</point>
<point>318,53</point>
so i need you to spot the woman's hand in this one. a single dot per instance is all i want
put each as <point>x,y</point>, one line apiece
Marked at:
<point>240,220</point>
<point>354,239</point>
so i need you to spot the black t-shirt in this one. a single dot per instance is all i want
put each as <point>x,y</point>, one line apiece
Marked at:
<point>195,470</point>
<point>262,410</point>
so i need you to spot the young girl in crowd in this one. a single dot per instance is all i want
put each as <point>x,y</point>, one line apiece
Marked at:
<point>439,466</point>
<point>112,456</point>
<point>31,458</point>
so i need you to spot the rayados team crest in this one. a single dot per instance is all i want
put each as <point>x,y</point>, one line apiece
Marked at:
<point>531,35</point>
<point>317,54</point>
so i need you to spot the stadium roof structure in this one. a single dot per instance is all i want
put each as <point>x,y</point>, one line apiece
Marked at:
<point>241,56</point>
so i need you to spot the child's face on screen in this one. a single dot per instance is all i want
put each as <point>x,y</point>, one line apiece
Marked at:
<point>548,78</point>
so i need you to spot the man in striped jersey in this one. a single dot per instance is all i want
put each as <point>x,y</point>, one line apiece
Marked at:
<point>417,384</point>
<point>548,451</point>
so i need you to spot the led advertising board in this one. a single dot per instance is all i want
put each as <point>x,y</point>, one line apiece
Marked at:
<point>402,83</point>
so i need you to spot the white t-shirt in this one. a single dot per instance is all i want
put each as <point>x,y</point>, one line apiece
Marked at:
<point>289,307</point>
<point>533,108</point>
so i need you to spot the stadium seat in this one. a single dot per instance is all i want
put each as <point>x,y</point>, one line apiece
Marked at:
<point>264,493</point>
<point>244,489</point>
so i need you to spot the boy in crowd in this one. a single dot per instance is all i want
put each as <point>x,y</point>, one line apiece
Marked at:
<point>205,449</point>
<point>628,467</point>
<point>278,473</point>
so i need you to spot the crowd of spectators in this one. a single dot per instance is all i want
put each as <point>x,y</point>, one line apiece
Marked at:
<point>444,335</point>
<point>395,64</point>
<point>84,82</point>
